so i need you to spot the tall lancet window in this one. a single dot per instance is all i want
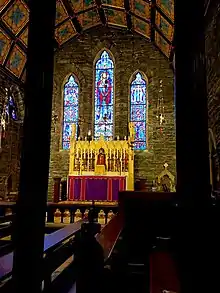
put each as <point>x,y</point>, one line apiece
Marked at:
<point>138,109</point>
<point>104,96</point>
<point>70,109</point>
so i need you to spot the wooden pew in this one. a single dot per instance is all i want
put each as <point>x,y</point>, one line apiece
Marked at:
<point>57,250</point>
<point>6,223</point>
<point>6,218</point>
<point>163,273</point>
<point>109,235</point>
<point>107,238</point>
<point>55,245</point>
<point>4,205</point>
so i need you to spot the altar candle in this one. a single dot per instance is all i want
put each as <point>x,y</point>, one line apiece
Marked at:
<point>91,159</point>
<point>121,157</point>
<point>124,160</point>
<point>88,159</point>
<point>114,160</point>
<point>107,161</point>
<point>110,160</point>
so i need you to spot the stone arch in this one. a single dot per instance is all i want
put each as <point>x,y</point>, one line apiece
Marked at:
<point>99,52</point>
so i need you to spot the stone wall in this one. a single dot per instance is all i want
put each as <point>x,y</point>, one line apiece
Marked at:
<point>10,144</point>
<point>131,53</point>
<point>212,47</point>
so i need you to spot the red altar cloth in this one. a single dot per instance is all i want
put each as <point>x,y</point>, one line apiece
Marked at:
<point>101,188</point>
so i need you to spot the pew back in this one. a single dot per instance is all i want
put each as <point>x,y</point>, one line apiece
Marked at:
<point>109,235</point>
<point>57,250</point>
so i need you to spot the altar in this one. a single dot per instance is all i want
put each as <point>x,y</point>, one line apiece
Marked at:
<point>99,169</point>
<point>98,188</point>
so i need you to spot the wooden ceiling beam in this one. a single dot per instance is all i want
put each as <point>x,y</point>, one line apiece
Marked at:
<point>153,17</point>
<point>163,14</point>
<point>101,12</point>
<point>15,79</point>
<point>128,15</point>
<point>8,5</point>
<point>162,35</point>
<point>72,15</point>
<point>139,17</point>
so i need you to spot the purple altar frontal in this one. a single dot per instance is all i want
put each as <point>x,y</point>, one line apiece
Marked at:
<point>98,188</point>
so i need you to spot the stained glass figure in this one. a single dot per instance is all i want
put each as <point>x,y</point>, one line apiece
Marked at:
<point>104,96</point>
<point>138,101</point>
<point>70,109</point>
<point>11,108</point>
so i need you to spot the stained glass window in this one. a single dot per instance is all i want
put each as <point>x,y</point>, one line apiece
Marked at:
<point>70,109</point>
<point>11,108</point>
<point>104,96</point>
<point>138,101</point>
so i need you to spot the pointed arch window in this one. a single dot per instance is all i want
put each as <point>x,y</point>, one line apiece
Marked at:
<point>104,96</point>
<point>70,109</point>
<point>138,109</point>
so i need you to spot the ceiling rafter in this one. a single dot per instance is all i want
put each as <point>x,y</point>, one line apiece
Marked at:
<point>162,34</point>
<point>128,15</point>
<point>72,16</point>
<point>153,16</point>
<point>101,12</point>
<point>139,17</point>
<point>16,80</point>
<point>164,14</point>
<point>7,6</point>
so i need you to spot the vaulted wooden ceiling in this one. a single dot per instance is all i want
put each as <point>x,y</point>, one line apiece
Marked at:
<point>152,19</point>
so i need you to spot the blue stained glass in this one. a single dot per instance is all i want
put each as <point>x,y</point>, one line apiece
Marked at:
<point>11,108</point>
<point>107,113</point>
<point>104,96</point>
<point>105,130</point>
<point>70,114</point>
<point>70,109</point>
<point>138,112</point>
<point>66,145</point>
<point>138,100</point>
<point>140,145</point>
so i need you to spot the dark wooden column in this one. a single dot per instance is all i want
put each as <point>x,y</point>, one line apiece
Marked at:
<point>31,205</point>
<point>56,189</point>
<point>191,104</point>
<point>194,227</point>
